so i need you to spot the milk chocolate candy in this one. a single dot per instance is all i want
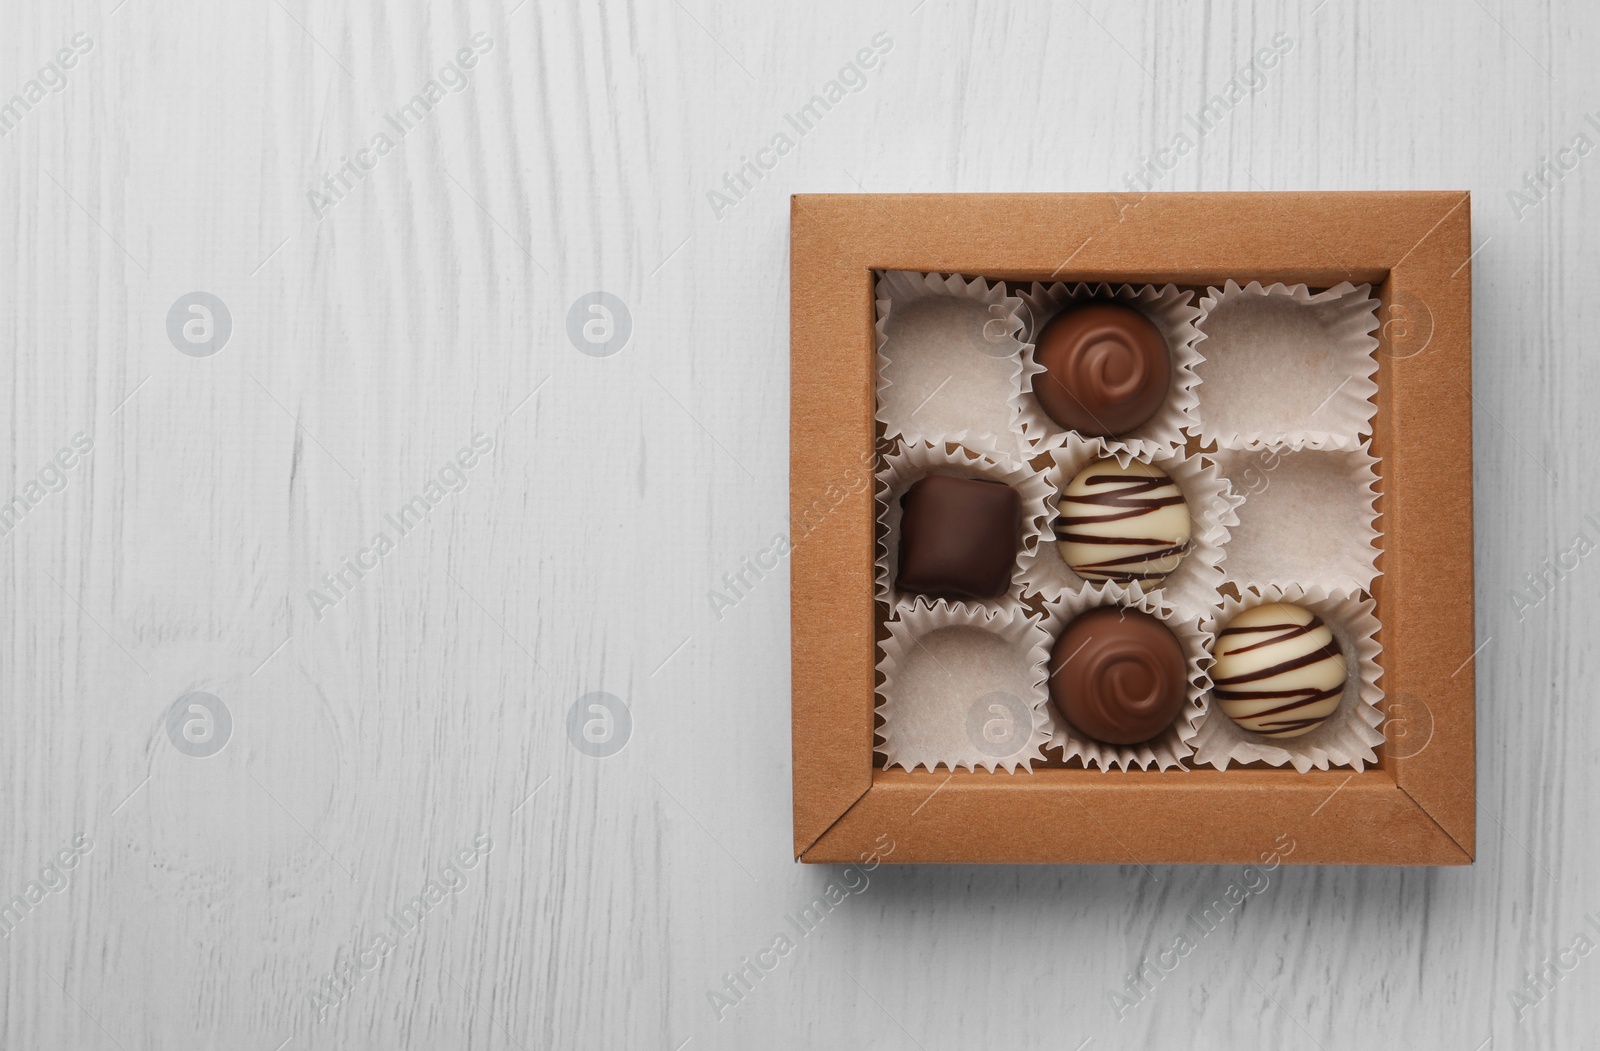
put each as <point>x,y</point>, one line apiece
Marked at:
<point>1106,369</point>
<point>959,537</point>
<point>1117,675</point>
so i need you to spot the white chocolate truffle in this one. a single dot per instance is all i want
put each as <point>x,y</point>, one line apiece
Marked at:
<point>1279,671</point>
<point>1122,523</point>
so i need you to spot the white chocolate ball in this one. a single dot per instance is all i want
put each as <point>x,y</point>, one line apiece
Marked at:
<point>1279,671</point>
<point>1122,523</point>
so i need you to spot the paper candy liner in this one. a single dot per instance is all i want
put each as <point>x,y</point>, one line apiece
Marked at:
<point>1172,312</point>
<point>949,353</point>
<point>1350,734</point>
<point>1281,364</point>
<point>1307,517</point>
<point>1172,747</point>
<point>916,461</point>
<point>1190,589</point>
<point>963,686</point>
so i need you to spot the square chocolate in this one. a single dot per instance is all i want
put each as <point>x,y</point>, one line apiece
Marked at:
<point>958,537</point>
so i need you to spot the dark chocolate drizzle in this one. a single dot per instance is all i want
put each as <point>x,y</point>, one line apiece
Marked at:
<point>1227,688</point>
<point>1132,499</point>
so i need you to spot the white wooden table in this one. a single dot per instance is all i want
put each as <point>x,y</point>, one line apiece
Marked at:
<point>385,304</point>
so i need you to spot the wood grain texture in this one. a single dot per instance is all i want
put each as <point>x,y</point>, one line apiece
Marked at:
<point>431,705</point>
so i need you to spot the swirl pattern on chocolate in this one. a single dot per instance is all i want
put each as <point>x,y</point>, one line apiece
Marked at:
<point>1122,523</point>
<point>1106,369</point>
<point>1279,671</point>
<point>1117,675</point>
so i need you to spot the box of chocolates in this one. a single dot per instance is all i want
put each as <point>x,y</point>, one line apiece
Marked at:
<point>1132,528</point>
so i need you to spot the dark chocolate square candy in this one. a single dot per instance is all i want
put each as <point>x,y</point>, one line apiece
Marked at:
<point>958,537</point>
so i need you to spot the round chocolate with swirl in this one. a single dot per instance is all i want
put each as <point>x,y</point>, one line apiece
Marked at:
<point>1279,671</point>
<point>1122,523</point>
<point>1106,369</point>
<point>1117,675</point>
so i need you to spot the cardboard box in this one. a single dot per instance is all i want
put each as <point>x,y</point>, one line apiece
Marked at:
<point>1416,807</point>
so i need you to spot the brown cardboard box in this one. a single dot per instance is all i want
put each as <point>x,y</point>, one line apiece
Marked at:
<point>1416,806</point>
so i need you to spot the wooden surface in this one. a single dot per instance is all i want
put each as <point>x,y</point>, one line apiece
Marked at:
<point>210,898</point>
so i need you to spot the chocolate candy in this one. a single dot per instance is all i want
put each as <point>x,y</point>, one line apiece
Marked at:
<point>958,537</point>
<point>1122,523</point>
<point>1106,369</point>
<point>1279,671</point>
<point>1117,675</point>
